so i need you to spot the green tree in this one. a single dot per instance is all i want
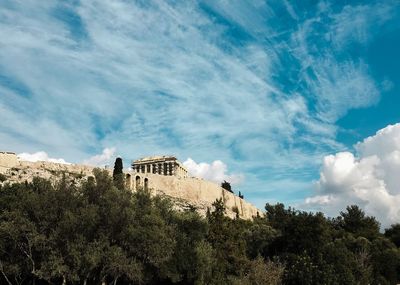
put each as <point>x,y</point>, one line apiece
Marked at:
<point>227,186</point>
<point>393,233</point>
<point>356,222</point>
<point>118,174</point>
<point>190,234</point>
<point>227,238</point>
<point>205,262</point>
<point>259,237</point>
<point>93,233</point>
<point>261,272</point>
<point>299,231</point>
<point>385,259</point>
<point>149,236</point>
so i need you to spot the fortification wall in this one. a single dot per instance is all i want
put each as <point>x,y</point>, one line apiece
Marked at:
<point>198,192</point>
<point>7,161</point>
<point>84,170</point>
<point>25,171</point>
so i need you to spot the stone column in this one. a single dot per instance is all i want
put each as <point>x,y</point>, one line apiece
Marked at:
<point>173,168</point>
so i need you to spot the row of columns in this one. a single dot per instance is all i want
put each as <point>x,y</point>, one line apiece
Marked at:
<point>166,168</point>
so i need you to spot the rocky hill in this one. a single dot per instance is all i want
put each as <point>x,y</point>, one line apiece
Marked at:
<point>185,192</point>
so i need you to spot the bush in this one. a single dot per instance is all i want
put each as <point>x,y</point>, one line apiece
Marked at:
<point>2,177</point>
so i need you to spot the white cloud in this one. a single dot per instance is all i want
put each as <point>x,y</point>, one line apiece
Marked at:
<point>354,23</point>
<point>216,171</point>
<point>370,180</point>
<point>338,81</point>
<point>105,158</point>
<point>39,156</point>
<point>337,85</point>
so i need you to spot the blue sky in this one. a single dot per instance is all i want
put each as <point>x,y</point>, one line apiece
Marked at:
<point>268,87</point>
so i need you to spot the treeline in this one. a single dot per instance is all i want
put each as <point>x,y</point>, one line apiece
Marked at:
<point>97,233</point>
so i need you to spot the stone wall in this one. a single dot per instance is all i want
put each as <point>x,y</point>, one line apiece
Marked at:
<point>7,160</point>
<point>25,171</point>
<point>200,193</point>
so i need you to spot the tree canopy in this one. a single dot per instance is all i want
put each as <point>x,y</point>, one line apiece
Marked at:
<point>98,232</point>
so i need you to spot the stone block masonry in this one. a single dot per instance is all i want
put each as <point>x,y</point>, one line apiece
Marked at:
<point>197,192</point>
<point>7,160</point>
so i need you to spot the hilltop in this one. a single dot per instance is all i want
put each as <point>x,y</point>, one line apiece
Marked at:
<point>185,191</point>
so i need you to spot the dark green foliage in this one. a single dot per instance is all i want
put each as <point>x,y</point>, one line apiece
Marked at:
<point>118,166</point>
<point>355,222</point>
<point>226,236</point>
<point>95,233</point>
<point>2,177</point>
<point>227,186</point>
<point>118,175</point>
<point>299,231</point>
<point>385,260</point>
<point>393,233</point>
<point>259,237</point>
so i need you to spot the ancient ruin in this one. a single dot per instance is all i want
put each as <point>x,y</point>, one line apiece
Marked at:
<point>7,160</point>
<point>161,175</point>
<point>162,165</point>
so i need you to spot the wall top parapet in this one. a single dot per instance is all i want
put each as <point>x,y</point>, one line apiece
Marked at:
<point>151,159</point>
<point>7,152</point>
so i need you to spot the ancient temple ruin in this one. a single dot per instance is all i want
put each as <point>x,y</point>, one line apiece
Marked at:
<point>162,165</point>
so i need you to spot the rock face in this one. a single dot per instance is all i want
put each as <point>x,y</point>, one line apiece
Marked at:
<point>185,192</point>
<point>197,192</point>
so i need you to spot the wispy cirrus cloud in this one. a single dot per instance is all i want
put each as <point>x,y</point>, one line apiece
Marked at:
<point>356,23</point>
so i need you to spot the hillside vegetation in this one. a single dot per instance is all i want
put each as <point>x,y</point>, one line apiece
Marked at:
<point>101,233</point>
